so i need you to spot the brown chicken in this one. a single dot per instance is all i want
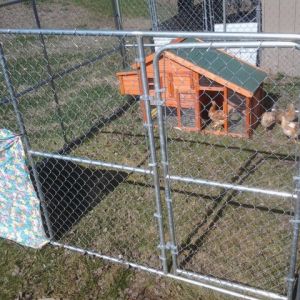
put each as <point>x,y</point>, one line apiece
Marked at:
<point>290,114</point>
<point>268,119</point>
<point>290,129</point>
<point>217,117</point>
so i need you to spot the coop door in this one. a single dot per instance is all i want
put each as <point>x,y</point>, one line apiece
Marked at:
<point>237,114</point>
<point>188,111</point>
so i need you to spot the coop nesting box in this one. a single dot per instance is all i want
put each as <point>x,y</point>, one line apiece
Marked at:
<point>192,79</point>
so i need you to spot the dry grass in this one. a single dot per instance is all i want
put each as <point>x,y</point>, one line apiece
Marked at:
<point>237,236</point>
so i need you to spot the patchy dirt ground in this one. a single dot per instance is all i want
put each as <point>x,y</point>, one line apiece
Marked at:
<point>54,274</point>
<point>63,14</point>
<point>57,274</point>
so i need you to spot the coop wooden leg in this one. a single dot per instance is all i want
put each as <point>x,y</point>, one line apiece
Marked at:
<point>143,111</point>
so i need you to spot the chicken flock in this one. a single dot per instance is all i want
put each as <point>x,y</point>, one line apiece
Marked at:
<point>287,119</point>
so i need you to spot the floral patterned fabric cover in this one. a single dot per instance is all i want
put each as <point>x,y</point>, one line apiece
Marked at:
<point>20,215</point>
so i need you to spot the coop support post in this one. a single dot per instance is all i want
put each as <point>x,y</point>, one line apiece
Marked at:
<point>49,70</point>
<point>172,245</point>
<point>25,139</point>
<point>225,105</point>
<point>153,157</point>
<point>119,26</point>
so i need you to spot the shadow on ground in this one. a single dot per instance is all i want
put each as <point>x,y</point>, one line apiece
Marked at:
<point>72,190</point>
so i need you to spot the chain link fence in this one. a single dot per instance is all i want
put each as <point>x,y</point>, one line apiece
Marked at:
<point>171,15</point>
<point>180,163</point>
<point>94,134</point>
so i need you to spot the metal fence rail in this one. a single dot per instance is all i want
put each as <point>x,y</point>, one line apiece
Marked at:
<point>231,203</point>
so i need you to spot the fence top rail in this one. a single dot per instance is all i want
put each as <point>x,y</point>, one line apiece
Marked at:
<point>175,34</point>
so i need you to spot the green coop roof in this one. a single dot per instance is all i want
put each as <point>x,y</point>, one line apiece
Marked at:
<point>224,66</point>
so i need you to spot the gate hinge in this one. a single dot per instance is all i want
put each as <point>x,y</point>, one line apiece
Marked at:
<point>152,100</point>
<point>290,279</point>
<point>139,60</point>
<point>296,178</point>
<point>152,165</point>
<point>169,200</point>
<point>146,98</point>
<point>293,221</point>
<point>157,216</point>
<point>171,247</point>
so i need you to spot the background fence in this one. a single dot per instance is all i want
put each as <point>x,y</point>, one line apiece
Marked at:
<point>229,200</point>
<point>167,15</point>
<point>138,14</point>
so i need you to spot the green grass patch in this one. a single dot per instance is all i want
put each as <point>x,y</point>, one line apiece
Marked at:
<point>236,235</point>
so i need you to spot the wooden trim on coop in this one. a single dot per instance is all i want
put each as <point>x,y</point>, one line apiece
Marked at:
<point>225,108</point>
<point>178,109</point>
<point>122,88</point>
<point>248,117</point>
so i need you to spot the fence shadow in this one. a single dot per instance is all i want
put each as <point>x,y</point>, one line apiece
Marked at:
<point>216,212</point>
<point>72,190</point>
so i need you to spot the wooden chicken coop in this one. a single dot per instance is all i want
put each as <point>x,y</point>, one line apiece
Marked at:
<point>193,79</point>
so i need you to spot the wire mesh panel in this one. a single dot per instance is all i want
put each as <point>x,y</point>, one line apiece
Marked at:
<point>89,143</point>
<point>94,115</point>
<point>222,228</point>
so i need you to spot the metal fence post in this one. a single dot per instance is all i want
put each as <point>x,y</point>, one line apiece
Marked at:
<point>153,14</point>
<point>224,16</point>
<point>153,164</point>
<point>164,160</point>
<point>119,26</point>
<point>259,29</point>
<point>211,16</point>
<point>205,15</point>
<point>25,139</point>
<point>294,246</point>
<point>49,71</point>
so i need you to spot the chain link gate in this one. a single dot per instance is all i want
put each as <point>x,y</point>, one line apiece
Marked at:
<point>208,253</point>
<point>101,202</point>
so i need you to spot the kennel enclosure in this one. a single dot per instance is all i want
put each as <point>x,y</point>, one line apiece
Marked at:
<point>252,213</point>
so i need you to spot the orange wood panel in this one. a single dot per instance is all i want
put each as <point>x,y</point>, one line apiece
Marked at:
<point>197,112</point>
<point>170,85</point>
<point>212,88</point>
<point>208,74</point>
<point>131,84</point>
<point>122,88</point>
<point>178,108</point>
<point>126,73</point>
<point>174,63</point>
